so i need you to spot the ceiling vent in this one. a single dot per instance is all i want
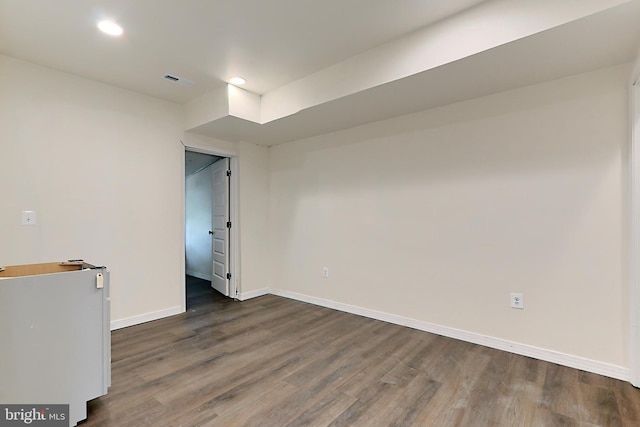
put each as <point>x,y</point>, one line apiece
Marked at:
<point>179,80</point>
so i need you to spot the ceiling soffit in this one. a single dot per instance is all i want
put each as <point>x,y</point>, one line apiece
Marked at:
<point>493,47</point>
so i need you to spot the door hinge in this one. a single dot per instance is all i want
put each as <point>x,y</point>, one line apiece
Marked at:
<point>228,224</point>
<point>228,276</point>
<point>228,173</point>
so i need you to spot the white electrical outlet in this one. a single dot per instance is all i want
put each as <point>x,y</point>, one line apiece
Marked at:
<point>28,218</point>
<point>325,271</point>
<point>517,300</point>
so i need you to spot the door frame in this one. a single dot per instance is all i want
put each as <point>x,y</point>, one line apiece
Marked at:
<point>234,235</point>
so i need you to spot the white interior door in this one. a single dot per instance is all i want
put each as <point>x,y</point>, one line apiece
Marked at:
<point>221,225</point>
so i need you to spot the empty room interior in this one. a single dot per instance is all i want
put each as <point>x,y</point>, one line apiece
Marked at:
<point>407,213</point>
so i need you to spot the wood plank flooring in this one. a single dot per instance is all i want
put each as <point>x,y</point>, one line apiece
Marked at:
<point>271,361</point>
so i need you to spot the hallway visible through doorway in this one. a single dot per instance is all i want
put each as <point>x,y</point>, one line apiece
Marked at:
<point>199,293</point>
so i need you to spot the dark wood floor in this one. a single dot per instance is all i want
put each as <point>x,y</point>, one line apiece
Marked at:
<point>271,361</point>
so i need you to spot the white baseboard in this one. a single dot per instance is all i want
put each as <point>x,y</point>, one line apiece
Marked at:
<point>243,296</point>
<point>588,365</point>
<point>202,276</point>
<point>147,317</point>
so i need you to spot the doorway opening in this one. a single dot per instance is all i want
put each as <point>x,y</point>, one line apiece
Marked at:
<point>207,225</point>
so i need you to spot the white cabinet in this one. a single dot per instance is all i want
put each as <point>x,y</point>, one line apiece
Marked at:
<point>55,340</point>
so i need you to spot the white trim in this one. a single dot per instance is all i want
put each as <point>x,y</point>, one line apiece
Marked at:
<point>571,361</point>
<point>234,202</point>
<point>211,151</point>
<point>634,250</point>
<point>234,235</point>
<point>147,317</point>
<point>183,248</point>
<point>588,365</point>
<point>243,296</point>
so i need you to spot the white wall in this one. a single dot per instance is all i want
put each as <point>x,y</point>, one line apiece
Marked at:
<point>438,216</point>
<point>198,208</point>
<point>210,145</point>
<point>254,208</point>
<point>102,167</point>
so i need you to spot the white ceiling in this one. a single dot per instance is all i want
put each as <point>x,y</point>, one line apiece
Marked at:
<point>194,162</point>
<point>269,42</point>
<point>316,66</point>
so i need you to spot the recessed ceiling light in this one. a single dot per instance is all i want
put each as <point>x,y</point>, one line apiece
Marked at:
<point>238,81</point>
<point>110,27</point>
